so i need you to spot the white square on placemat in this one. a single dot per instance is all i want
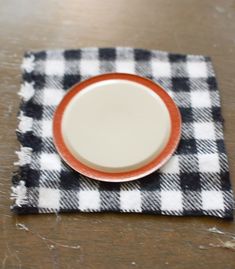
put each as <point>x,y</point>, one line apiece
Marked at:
<point>197,69</point>
<point>52,97</point>
<point>125,67</point>
<point>50,161</point>
<point>212,200</point>
<point>89,200</point>
<point>204,130</point>
<point>130,200</point>
<point>200,99</point>
<point>172,166</point>
<point>171,201</point>
<point>161,69</point>
<point>49,198</point>
<point>89,67</point>
<point>55,67</point>
<point>209,163</point>
<point>46,128</point>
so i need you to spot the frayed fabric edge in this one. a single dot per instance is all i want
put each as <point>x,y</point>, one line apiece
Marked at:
<point>24,156</point>
<point>28,63</point>
<point>19,194</point>
<point>26,92</point>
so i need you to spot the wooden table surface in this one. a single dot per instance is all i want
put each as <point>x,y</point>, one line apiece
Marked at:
<point>113,240</point>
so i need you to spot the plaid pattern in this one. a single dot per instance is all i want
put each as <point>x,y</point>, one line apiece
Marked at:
<point>194,182</point>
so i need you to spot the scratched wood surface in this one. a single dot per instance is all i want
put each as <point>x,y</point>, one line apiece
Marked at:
<point>112,240</point>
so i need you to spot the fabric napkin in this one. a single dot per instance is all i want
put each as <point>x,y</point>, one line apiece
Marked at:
<point>195,181</point>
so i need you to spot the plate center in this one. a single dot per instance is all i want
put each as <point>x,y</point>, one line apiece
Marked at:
<point>116,125</point>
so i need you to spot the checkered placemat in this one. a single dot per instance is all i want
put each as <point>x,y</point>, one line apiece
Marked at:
<point>194,182</point>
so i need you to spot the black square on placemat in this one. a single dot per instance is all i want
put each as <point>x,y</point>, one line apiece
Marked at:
<point>180,84</point>
<point>72,55</point>
<point>107,54</point>
<point>177,58</point>
<point>187,146</point>
<point>70,80</point>
<point>69,180</point>
<point>212,84</point>
<point>190,181</point>
<point>186,113</point>
<point>142,55</point>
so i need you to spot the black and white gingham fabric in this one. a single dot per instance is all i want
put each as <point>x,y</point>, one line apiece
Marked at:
<point>194,182</point>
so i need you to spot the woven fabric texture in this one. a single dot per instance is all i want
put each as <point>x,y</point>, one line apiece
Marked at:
<point>195,181</point>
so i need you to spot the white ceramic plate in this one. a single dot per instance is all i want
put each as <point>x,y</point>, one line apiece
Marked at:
<point>116,127</point>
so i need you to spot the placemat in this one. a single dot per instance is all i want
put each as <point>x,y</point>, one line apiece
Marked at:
<point>194,182</point>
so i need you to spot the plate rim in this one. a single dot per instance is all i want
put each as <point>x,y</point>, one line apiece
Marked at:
<point>155,164</point>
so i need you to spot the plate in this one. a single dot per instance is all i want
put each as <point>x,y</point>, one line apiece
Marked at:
<point>116,127</point>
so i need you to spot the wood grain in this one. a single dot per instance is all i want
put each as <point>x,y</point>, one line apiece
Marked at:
<point>112,240</point>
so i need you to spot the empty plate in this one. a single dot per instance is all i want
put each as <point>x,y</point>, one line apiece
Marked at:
<point>116,127</point>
